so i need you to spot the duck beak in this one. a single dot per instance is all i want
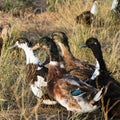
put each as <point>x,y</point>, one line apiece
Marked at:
<point>13,46</point>
<point>83,45</point>
<point>36,46</point>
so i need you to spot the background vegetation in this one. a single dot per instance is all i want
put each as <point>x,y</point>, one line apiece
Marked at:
<point>34,19</point>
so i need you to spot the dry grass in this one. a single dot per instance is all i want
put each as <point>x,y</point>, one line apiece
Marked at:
<point>16,100</point>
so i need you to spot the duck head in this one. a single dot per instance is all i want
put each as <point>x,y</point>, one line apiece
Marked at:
<point>61,40</point>
<point>60,37</point>
<point>95,46</point>
<point>92,43</point>
<point>49,45</point>
<point>22,43</point>
<point>26,45</point>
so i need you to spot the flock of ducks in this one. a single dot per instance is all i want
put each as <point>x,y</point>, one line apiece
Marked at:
<point>74,84</point>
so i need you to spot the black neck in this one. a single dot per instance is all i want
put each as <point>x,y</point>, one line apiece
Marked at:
<point>53,57</point>
<point>54,53</point>
<point>98,55</point>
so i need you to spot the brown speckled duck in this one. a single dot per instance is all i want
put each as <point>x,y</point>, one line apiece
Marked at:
<point>82,70</point>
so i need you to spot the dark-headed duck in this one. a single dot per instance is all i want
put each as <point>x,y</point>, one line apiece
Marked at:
<point>104,78</point>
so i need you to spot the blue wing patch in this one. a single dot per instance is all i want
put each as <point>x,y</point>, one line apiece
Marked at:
<point>76,92</point>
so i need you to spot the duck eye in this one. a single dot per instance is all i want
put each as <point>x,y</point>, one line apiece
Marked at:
<point>21,41</point>
<point>95,43</point>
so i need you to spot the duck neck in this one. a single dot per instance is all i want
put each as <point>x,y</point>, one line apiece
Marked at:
<point>30,56</point>
<point>53,54</point>
<point>56,69</point>
<point>94,9</point>
<point>98,55</point>
<point>66,52</point>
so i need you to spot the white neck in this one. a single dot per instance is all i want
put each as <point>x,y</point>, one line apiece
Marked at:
<point>114,4</point>
<point>31,57</point>
<point>94,9</point>
<point>97,71</point>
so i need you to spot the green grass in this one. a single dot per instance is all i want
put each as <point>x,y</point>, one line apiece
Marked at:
<point>16,100</point>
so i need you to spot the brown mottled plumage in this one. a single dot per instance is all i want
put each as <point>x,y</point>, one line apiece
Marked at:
<point>83,70</point>
<point>54,73</point>
<point>32,72</point>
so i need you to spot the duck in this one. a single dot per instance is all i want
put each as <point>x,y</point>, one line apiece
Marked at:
<point>115,8</point>
<point>81,69</point>
<point>36,72</point>
<point>105,78</point>
<point>68,90</point>
<point>89,16</point>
